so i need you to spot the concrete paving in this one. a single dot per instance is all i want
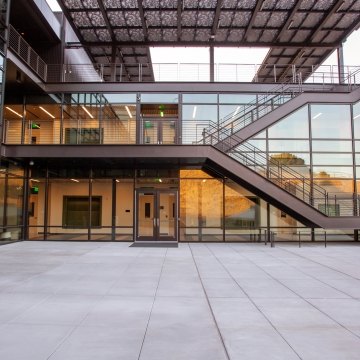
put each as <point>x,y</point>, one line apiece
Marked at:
<point>85,301</point>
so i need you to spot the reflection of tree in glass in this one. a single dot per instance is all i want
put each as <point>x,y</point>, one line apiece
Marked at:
<point>287,159</point>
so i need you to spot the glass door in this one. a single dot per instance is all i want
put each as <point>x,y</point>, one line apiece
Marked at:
<point>159,131</point>
<point>156,215</point>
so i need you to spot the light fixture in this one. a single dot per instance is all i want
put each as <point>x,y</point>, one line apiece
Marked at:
<point>128,111</point>
<point>160,181</point>
<point>34,180</point>
<point>355,117</point>
<point>317,115</point>
<point>161,110</point>
<point>117,180</point>
<point>290,24</point>
<point>13,111</point>
<point>194,112</point>
<point>262,6</point>
<point>87,111</point>
<point>45,111</point>
<point>75,180</point>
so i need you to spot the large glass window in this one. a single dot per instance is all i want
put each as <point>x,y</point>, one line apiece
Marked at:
<point>201,209</point>
<point>76,211</point>
<point>332,159</point>
<point>159,98</point>
<point>330,121</point>
<point>331,146</point>
<point>356,117</point>
<point>292,126</point>
<point>199,98</point>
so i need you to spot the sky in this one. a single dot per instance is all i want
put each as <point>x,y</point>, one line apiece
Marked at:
<point>236,55</point>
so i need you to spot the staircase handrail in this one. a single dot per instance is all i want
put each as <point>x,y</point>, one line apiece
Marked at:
<point>272,169</point>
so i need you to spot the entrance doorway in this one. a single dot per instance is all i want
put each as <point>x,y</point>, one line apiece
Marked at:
<point>159,131</point>
<point>156,215</point>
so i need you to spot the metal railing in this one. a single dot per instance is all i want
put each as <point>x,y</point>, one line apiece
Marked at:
<point>256,109</point>
<point>193,72</point>
<point>26,53</point>
<point>278,173</point>
<point>284,176</point>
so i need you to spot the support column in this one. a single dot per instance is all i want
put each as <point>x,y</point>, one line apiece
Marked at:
<point>341,68</point>
<point>113,65</point>
<point>113,211</point>
<point>212,69</point>
<point>25,207</point>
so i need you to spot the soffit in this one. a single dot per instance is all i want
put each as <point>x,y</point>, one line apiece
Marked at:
<point>301,33</point>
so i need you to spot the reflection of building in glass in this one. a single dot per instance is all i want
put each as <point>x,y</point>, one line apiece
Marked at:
<point>100,144</point>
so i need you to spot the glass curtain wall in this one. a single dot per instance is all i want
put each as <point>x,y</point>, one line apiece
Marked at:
<point>11,202</point>
<point>80,205</point>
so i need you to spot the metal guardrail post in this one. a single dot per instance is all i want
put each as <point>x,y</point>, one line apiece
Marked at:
<point>325,238</point>
<point>299,239</point>
<point>266,238</point>
<point>272,239</point>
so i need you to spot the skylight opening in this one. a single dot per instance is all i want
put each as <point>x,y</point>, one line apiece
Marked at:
<point>192,63</point>
<point>54,5</point>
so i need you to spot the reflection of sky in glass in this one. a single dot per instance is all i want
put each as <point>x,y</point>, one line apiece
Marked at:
<point>330,121</point>
<point>336,145</point>
<point>199,112</point>
<point>334,171</point>
<point>356,114</point>
<point>332,159</point>
<point>293,126</point>
<point>288,145</point>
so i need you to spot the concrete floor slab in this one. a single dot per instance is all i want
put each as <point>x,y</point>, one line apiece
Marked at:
<point>88,300</point>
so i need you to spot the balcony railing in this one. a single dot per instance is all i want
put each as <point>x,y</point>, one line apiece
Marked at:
<point>200,72</point>
<point>21,48</point>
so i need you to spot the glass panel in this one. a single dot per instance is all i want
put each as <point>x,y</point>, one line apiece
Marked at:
<point>338,145</point>
<point>168,132</point>
<point>160,98</point>
<point>236,98</point>
<point>120,98</point>
<point>124,209</point>
<point>146,212</point>
<point>288,145</point>
<point>290,159</point>
<point>243,213</point>
<point>200,98</point>
<point>357,146</point>
<point>333,172</point>
<point>201,209</point>
<point>58,228</point>
<point>330,121</point>
<point>14,201</point>
<point>334,185</point>
<point>119,124</point>
<point>76,211</point>
<point>292,126</point>
<point>332,159</point>
<point>167,215</point>
<point>282,222</point>
<point>356,115</point>
<point>258,143</point>
<point>102,188</point>
<point>151,131</point>
<point>199,112</point>
<point>36,208</point>
<point>357,159</point>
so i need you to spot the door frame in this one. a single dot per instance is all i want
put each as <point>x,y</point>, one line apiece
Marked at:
<point>160,129</point>
<point>156,221</point>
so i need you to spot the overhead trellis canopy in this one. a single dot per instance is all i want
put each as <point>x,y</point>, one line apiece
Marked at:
<point>298,32</point>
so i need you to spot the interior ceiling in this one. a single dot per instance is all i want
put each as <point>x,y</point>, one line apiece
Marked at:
<point>298,32</point>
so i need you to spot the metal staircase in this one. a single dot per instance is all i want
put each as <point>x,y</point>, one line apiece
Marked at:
<point>285,177</point>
